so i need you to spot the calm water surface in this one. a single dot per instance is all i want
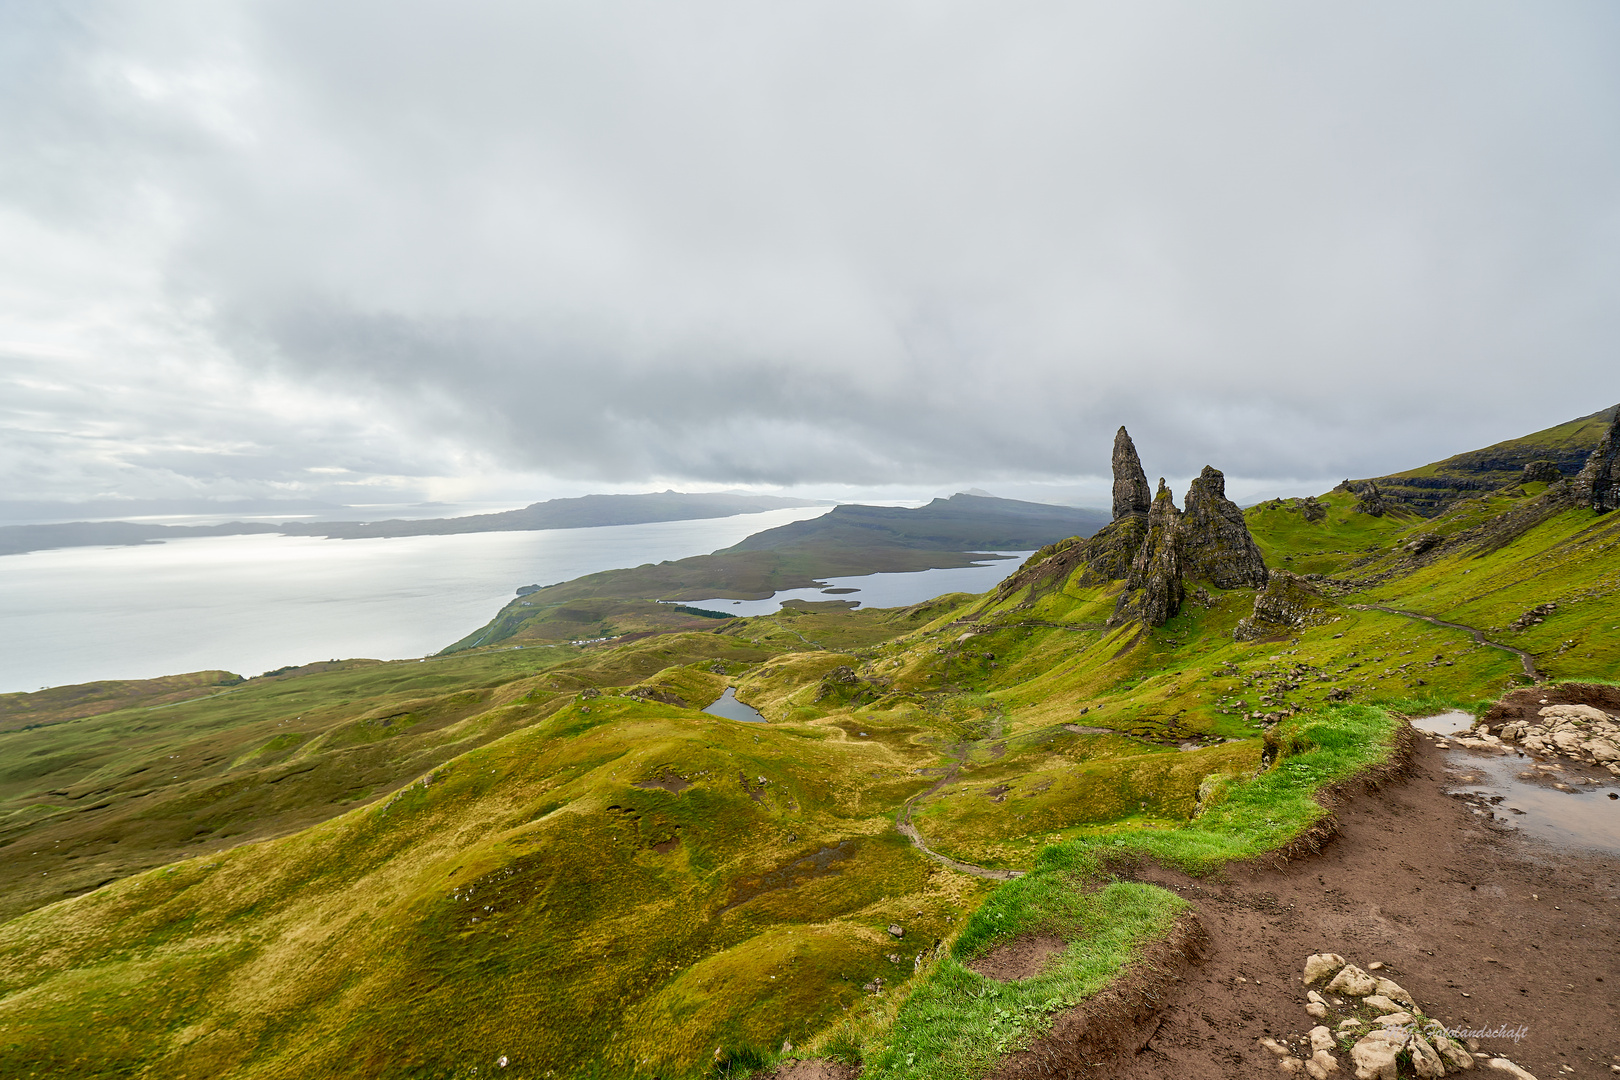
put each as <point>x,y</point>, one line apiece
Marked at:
<point>252,603</point>
<point>883,590</point>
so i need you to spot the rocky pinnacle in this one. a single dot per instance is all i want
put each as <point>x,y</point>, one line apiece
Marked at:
<point>1154,590</point>
<point>1132,496</point>
<point>1215,540</point>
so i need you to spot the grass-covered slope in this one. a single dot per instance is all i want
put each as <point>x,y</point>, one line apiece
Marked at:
<point>1436,487</point>
<point>580,873</point>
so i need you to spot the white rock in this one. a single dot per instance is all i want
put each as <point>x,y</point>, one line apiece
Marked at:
<point>1352,981</point>
<point>1381,1003</point>
<point>1291,1065</point>
<point>1374,1057</point>
<point>1454,1053</point>
<point>1317,1010</point>
<point>1275,1047</point>
<point>1602,749</point>
<point>1322,1065</point>
<point>1574,713</point>
<point>1425,1062</point>
<point>1320,966</point>
<point>1568,741</point>
<point>1395,1019</point>
<point>1350,1024</point>
<point>1394,991</point>
<point>1508,1067</point>
<point>1321,1038</point>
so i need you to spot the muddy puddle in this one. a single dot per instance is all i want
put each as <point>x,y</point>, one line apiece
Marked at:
<point>729,707</point>
<point>1551,801</point>
<point>1447,723</point>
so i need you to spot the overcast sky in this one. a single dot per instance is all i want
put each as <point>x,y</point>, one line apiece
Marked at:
<point>383,251</point>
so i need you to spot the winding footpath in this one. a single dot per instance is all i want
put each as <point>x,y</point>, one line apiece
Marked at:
<point>903,823</point>
<point>1525,658</point>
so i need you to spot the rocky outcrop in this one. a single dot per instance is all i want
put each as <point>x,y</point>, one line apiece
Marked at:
<point>1132,496</point>
<point>1111,551</point>
<point>1370,500</point>
<point>1288,604</point>
<point>1598,484</point>
<point>1215,541</point>
<point>1154,589</point>
<point>1541,471</point>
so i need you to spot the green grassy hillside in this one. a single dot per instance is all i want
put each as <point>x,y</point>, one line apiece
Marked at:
<point>548,855</point>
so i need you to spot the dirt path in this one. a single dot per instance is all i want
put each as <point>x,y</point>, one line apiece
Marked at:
<point>1525,658</point>
<point>903,823</point>
<point>1485,928</point>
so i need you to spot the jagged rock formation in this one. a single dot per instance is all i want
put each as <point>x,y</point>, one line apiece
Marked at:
<point>1215,541</point>
<point>1154,589</point>
<point>1132,497</point>
<point>1154,548</point>
<point>1289,603</point>
<point>1598,484</point>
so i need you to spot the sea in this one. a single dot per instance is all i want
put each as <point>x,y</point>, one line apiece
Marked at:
<point>249,604</point>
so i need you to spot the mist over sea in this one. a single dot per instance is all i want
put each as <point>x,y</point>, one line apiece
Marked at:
<point>250,604</point>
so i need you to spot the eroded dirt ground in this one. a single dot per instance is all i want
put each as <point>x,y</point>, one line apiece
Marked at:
<point>1486,928</point>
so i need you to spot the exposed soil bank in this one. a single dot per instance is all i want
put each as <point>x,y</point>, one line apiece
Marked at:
<point>1451,902</point>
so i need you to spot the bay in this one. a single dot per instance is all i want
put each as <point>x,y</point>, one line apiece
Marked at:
<point>250,604</point>
<point>883,590</point>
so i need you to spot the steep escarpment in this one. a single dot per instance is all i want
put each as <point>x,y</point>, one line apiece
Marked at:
<point>1557,453</point>
<point>1598,483</point>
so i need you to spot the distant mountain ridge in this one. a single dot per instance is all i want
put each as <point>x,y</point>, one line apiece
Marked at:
<point>963,522</point>
<point>587,511</point>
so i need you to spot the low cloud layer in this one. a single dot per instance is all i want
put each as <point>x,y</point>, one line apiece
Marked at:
<point>434,250</point>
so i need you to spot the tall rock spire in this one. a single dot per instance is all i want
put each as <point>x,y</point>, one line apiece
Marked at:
<point>1215,541</point>
<point>1597,486</point>
<point>1132,496</point>
<point>1154,590</point>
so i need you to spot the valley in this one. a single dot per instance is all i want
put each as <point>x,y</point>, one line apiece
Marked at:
<point>534,858</point>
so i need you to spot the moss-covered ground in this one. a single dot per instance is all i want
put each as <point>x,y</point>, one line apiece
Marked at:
<point>550,855</point>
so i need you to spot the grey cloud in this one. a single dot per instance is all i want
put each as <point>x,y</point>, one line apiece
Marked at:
<point>853,243</point>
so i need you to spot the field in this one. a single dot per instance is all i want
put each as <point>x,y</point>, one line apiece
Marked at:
<point>546,855</point>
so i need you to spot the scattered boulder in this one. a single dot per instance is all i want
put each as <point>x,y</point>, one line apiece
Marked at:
<point>1425,1061</point>
<point>1319,966</point>
<point>1374,1055</point>
<point>1353,982</point>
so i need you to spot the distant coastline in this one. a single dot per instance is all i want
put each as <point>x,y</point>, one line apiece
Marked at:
<point>588,511</point>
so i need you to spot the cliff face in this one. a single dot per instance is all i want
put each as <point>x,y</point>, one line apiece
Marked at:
<point>1598,484</point>
<point>1215,541</point>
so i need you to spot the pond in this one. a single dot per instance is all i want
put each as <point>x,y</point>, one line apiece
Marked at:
<point>729,707</point>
